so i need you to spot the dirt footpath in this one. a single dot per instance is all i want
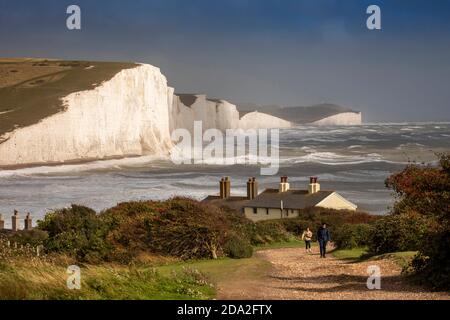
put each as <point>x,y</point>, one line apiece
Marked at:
<point>297,275</point>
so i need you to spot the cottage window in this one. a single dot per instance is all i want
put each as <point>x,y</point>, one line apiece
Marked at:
<point>255,210</point>
<point>267,211</point>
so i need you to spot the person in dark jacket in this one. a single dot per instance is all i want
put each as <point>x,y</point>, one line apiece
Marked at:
<point>323,236</point>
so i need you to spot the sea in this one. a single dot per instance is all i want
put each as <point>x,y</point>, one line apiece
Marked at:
<point>352,160</point>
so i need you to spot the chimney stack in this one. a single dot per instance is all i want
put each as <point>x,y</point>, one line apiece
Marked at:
<point>2,222</point>
<point>225,188</point>
<point>28,222</point>
<point>222,188</point>
<point>255,187</point>
<point>284,184</point>
<point>252,188</point>
<point>15,221</point>
<point>314,186</point>
<point>249,189</point>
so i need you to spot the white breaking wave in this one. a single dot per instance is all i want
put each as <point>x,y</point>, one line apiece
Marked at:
<point>331,158</point>
<point>82,167</point>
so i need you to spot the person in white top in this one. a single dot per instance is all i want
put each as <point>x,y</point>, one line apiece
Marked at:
<point>307,236</point>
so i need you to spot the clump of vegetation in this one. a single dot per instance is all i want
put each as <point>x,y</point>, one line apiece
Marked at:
<point>348,236</point>
<point>179,227</point>
<point>423,201</point>
<point>398,232</point>
<point>238,247</point>
<point>76,231</point>
<point>270,231</point>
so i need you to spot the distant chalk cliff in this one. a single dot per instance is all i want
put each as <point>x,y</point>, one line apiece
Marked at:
<point>322,114</point>
<point>341,119</point>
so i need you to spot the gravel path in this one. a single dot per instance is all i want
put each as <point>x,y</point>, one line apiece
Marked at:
<point>297,275</point>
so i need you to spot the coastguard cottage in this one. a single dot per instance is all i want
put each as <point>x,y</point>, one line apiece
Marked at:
<point>279,203</point>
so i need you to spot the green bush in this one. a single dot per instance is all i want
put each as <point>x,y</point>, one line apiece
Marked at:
<point>237,247</point>
<point>349,236</point>
<point>178,227</point>
<point>398,232</point>
<point>297,226</point>
<point>76,231</point>
<point>188,229</point>
<point>269,231</point>
<point>432,265</point>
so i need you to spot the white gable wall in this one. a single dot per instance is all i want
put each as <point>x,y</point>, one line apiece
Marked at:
<point>336,201</point>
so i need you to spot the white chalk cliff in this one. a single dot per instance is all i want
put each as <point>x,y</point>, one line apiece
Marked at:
<point>125,116</point>
<point>341,119</point>
<point>259,120</point>
<point>217,114</point>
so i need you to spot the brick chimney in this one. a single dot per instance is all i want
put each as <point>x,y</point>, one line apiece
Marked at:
<point>28,222</point>
<point>2,222</point>
<point>249,189</point>
<point>252,188</point>
<point>15,221</point>
<point>314,186</point>
<point>222,188</point>
<point>255,187</point>
<point>225,188</point>
<point>284,184</point>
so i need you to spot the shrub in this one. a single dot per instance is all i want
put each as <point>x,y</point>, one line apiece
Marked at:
<point>432,265</point>
<point>349,236</point>
<point>394,233</point>
<point>76,231</point>
<point>127,228</point>
<point>269,231</point>
<point>237,247</point>
<point>297,226</point>
<point>178,227</point>
<point>426,190</point>
<point>188,229</point>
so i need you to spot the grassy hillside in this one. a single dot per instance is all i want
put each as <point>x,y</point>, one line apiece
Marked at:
<point>31,89</point>
<point>33,279</point>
